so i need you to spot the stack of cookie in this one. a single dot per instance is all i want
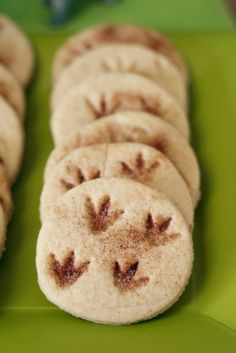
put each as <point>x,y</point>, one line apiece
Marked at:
<point>16,65</point>
<point>122,182</point>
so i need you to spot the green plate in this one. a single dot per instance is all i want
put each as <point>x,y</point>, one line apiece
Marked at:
<point>204,320</point>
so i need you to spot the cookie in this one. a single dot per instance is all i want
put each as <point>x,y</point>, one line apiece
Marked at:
<point>11,140</point>
<point>108,93</point>
<point>2,229</point>
<point>122,58</point>
<point>11,90</point>
<point>5,194</point>
<point>114,251</point>
<point>89,39</point>
<point>15,50</point>
<point>139,127</point>
<point>128,160</point>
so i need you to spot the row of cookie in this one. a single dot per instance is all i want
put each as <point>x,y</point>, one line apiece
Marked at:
<point>115,68</point>
<point>146,57</point>
<point>118,249</point>
<point>16,58</point>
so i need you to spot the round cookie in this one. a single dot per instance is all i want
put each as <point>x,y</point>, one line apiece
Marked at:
<point>129,126</point>
<point>15,50</point>
<point>89,39</point>
<point>11,140</point>
<point>128,160</point>
<point>113,244</point>
<point>122,58</point>
<point>111,92</point>
<point>11,90</point>
<point>5,194</point>
<point>2,229</point>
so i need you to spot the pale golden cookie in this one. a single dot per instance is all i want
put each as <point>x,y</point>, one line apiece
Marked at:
<point>15,50</point>
<point>114,251</point>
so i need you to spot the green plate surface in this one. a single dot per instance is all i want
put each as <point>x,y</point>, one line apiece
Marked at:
<point>166,14</point>
<point>204,320</point>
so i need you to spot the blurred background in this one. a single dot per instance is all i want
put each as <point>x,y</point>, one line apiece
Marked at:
<point>168,15</point>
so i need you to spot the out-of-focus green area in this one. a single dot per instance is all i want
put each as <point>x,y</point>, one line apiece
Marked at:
<point>169,15</point>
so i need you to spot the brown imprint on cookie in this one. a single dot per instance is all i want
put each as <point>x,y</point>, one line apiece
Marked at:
<point>99,220</point>
<point>160,44</point>
<point>132,35</point>
<point>67,185</point>
<point>78,177</point>
<point>160,143</point>
<point>98,111</point>
<point>107,32</point>
<point>103,108</point>
<point>75,50</point>
<point>66,274</point>
<point>95,174</point>
<point>150,39</point>
<point>124,279</point>
<point>140,167</point>
<point>125,101</point>
<point>124,34</point>
<point>88,45</point>
<point>156,230</point>
<point>121,101</point>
